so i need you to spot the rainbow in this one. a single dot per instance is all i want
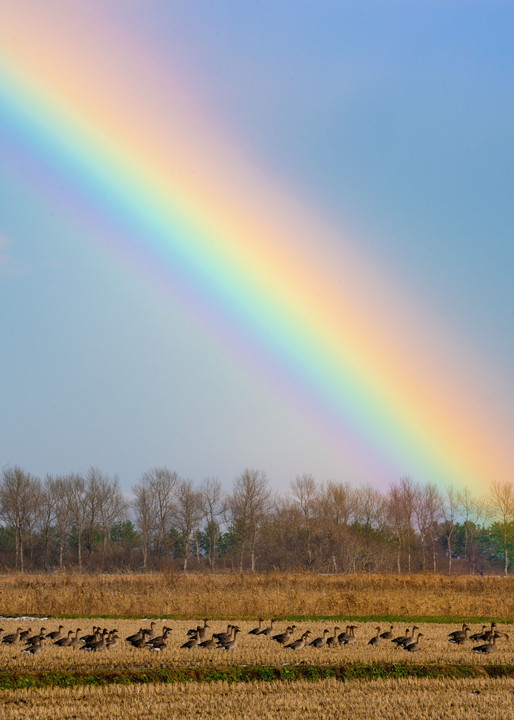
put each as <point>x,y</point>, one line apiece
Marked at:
<point>186,210</point>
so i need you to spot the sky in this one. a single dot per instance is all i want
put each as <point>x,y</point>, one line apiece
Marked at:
<point>265,235</point>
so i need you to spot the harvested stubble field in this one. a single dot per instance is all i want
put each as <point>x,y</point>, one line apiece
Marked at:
<point>140,683</point>
<point>484,699</point>
<point>250,650</point>
<point>250,596</point>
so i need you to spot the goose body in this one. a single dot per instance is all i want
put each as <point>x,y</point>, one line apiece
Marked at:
<point>333,640</point>
<point>256,630</point>
<point>55,634</point>
<point>320,641</point>
<point>64,641</point>
<point>12,638</point>
<point>376,639</point>
<point>299,644</point>
<point>413,646</point>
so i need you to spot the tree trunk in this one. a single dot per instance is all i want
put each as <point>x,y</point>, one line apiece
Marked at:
<point>449,546</point>
<point>79,548</point>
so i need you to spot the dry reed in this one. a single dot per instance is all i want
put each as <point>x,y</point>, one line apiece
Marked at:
<point>244,595</point>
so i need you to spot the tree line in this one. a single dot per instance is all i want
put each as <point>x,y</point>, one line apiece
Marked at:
<point>84,522</point>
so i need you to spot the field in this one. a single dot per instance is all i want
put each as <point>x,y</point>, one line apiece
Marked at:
<point>323,700</point>
<point>258,678</point>
<point>250,596</point>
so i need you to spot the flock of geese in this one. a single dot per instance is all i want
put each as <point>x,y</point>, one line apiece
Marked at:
<point>201,637</point>
<point>489,635</point>
<point>97,640</point>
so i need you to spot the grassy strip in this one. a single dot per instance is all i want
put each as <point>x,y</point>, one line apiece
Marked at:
<point>262,673</point>
<point>441,619</point>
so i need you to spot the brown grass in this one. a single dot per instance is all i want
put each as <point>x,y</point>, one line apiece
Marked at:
<point>328,699</point>
<point>238,595</point>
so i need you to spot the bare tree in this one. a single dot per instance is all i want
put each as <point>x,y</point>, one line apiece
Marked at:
<point>214,507</point>
<point>428,511</point>
<point>304,491</point>
<point>450,507</point>
<point>74,497</point>
<point>370,511</point>
<point>93,499</point>
<point>188,514</point>
<point>48,519</point>
<point>474,512</point>
<point>56,492</point>
<point>19,504</point>
<point>144,507</point>
<point>249,502</point>
<point>154,506</point>
<point>112,509</point>
<point>400,507</point>
<point>501,503</point>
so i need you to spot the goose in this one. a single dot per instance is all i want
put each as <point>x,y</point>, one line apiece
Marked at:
<point>479,635</point>
<point>461,637</point>
<point>407,643</point>
<point>299,644</point>
<point>333,640</point>
<point>35,638</point>
<point>283,638</point>
<point>35,647</point>
<point>212,642</point>
<point>135,636</point>
<point>402,638</point>
<point>268,630</point>
<point>256,630</point>
<point>160,642</point>
<point>348,638</point>
<point>224,636</point>
<point>487,648</point>
<point>192,642</point>
<point>75,641</point>
<point>488,635</point>
<point>376,639</point>
<point>388,634</point>
<point>112,639</point>
<point>202,629</point>
<point>95,635</point>
<point>55,634</point>
<point>320,641</point>
<point>400,641</point>
<point>97,645</point>
<point>150,632</point>
<point>139,642</point>
<point>12,638</point>
<point>231,644</point>
<point>342,636</point>
<point>64,641</point>
<point>25,633</point>
<point>458,633</point>
<point>413,646</point>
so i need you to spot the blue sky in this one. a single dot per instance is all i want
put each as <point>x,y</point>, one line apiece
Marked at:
<point>391,120</point>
